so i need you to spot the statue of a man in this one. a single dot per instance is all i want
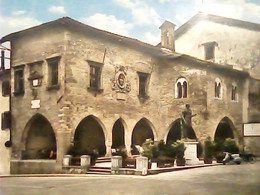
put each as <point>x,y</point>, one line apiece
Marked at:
<point>186,121</point>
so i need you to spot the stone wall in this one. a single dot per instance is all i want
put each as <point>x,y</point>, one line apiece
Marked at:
<point>236,46</point>
<point>67,106</point>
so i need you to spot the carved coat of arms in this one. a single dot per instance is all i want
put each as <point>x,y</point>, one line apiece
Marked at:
<point>120,83</point>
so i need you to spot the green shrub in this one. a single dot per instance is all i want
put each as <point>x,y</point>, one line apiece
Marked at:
<point>179,148</point>
<point>148,148</point>
<point>231,146</point>
<point>208,148</point>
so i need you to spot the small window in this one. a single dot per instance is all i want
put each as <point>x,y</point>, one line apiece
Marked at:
<point>143,84</point>
<point>53,71</point>
<point>95,75</point>
<point>95,71</point>
<point>19,81</point>
<point>218,88</point>
<point>6,120</point>
<point>181,88</point>
<point>234,93</point>
<point>209,48</point>
<point>6,88</point>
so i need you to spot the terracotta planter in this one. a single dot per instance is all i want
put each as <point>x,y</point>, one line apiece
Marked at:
<point>164,161</point>
<point>180,162</point>
<point>207,160</point>
<point>219,157</point>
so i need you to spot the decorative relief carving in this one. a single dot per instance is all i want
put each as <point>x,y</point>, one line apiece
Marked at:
<point>120,82</point>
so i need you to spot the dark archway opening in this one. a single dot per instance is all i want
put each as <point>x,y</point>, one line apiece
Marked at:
<point>118,134</point>
<point>40,141</point>
<point>141,132</point>
<point>175,134</point>
<point>89,137</point>
<point>224,130</point>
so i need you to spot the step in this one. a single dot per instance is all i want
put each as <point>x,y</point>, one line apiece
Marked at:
<point>98,173</point>
<point>99,170</point>
<point>105,168</point>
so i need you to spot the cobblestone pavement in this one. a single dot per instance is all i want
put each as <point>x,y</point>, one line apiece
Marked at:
<point>226,180</point>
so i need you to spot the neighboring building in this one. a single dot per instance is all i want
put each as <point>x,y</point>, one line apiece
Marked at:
<point>73,84</point>
<point>5,150</point>
<point>228,42</point>
<point>221,40</point>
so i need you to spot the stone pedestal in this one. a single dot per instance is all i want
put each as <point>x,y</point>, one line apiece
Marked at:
<point>85,161</point>
<point>190,153</point>
<point>142,165</point>
<point>66,160</point>
<point>116,162</point>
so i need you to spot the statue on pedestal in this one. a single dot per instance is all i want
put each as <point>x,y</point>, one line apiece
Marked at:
<point>186,117</point>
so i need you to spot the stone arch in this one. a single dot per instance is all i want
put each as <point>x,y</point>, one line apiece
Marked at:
<point>174,132</point>
<point>225,129</point>
<point>38,140</point>
<point>119,133</point>
<point>143,130</point>
<point>90,135</point>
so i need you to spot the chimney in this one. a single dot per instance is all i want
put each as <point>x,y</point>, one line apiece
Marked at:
<point>167,35</point>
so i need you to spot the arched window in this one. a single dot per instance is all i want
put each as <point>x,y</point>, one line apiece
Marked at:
<point>234,92</point>
<point>181,88</point>
<point>218,88</point>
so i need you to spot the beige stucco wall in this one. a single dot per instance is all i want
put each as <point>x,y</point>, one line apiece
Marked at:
<point>66,107</point>
<point>236,46</point>
<point>4,136</point>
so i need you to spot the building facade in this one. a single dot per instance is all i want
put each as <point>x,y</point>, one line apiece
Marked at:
<point>5,150</point>
<point>74,85</point>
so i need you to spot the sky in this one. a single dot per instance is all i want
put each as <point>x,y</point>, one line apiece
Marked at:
<point>138,19</point>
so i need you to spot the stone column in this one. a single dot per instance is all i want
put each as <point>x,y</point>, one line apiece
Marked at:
<point>85,161</point>
<point>128,143</point>
<point>66,160</point>
<point>108,148</point>
<point>142,165</point>
<point>63,143</point>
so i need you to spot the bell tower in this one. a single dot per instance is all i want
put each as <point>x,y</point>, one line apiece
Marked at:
<point>167,35</point>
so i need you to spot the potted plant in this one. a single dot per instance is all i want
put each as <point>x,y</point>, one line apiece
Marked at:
<point>208,151</point>
<point>148,150</point>
<point>179,149</point>
<point>164,154</point>
<point>219,150</point>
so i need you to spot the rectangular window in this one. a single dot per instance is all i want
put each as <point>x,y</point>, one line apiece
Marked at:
<point>95,70</point>
<point>6,120</point>
<point>19,81</point>
<point>95,75</point>
<point>53,71</point>
<point>143,83</point>
<point>209,52</point>
<point>6,88</point>
<point>209,48</point>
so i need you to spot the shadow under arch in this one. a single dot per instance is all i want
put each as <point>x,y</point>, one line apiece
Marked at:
<point>225,129</point>
<point>143,130</point>
<point>38,140</point>
<point>118,133</point>
<point>174,132</point>
<point>90,135</point>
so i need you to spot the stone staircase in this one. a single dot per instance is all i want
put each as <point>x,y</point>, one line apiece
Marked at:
<point>102,166</point>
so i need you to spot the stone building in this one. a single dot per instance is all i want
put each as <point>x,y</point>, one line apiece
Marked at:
<point>5,151</point>
<point>228,42</point>
<point>73,84</point>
